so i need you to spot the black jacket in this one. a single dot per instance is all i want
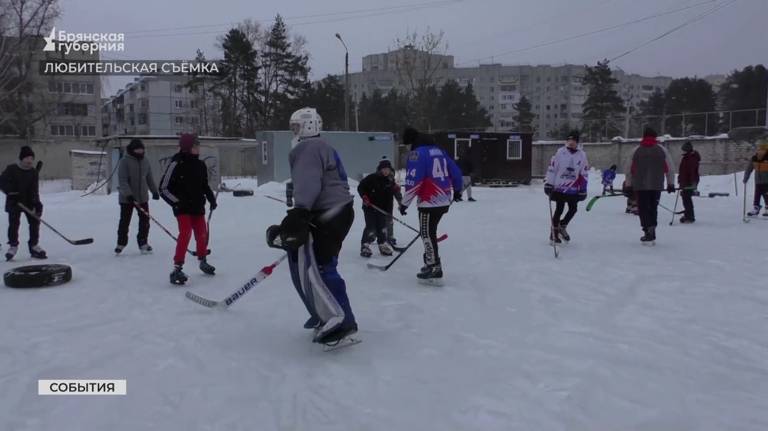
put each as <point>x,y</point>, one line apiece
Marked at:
<point>20,185</point>
<point>466,166</point>
<point>185,185</point>
<point>380,189</point>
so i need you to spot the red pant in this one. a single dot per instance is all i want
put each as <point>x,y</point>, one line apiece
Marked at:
<point>188,224</point>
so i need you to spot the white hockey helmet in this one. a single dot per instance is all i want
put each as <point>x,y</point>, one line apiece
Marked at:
<point>306,122</point>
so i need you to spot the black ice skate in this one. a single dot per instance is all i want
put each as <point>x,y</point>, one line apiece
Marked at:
<point>207,267</point>
<point>178,277</point>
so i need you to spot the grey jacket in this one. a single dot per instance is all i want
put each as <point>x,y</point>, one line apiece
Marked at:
<point>318,176</point>
<point>650,165</point>
<point>136,179</point>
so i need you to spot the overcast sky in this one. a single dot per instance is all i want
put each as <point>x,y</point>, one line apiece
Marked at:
<point>730,34</point>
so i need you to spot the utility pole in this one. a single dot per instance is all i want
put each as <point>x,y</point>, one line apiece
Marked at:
<point>346,82</point>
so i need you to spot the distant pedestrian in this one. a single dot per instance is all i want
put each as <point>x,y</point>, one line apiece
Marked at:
<point>688,180</point>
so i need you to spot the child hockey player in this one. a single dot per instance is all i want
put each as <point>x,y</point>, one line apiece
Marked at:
<point>20,184</point>
<point>314,230</point>
<point>431,175</point>
<point>136,182</point>
<point>566,183</point>
<point>688,180</point>
<point>759,164</point>
<point>608,176</point>
<point>185,188</point>
<point>377,189</point>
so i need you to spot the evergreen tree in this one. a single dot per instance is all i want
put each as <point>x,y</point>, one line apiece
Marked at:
<point>686,96</point>
<point>603,102</point>
<point>238,86</point>
<point>744,89</point>
<point>524,117</point>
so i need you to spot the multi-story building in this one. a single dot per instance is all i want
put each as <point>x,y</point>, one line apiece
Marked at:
<point>556,93</point>
<point>152,105</point>
<point>66,106</point>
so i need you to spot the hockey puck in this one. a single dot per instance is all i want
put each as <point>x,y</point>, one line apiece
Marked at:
<point>244,192</point>
<point>38,276</point>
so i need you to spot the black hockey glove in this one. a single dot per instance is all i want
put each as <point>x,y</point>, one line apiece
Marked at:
<point>403,210</point>
<point>39,165</point>
<point>155,196</point>
<point>456,196</point>
<point>273,237</point>
<point>670,188</point>
<point>129,198</point>
<point>548,189</point>
<point>294,229</point>
<point>213,204</point>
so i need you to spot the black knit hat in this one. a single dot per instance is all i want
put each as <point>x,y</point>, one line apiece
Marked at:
<point>410,137</point>
<point>135,144</point>
<point>649,133</point>
<point>687,147</point>
<point>573,135</point>
<point>26,152</point>
<point>384,164</point>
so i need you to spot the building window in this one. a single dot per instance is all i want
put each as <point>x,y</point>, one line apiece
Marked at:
<point>67,87</point>
<point>62,131</point>
<point>70,130</point>
<point>75,88</point>
<point>52,87</point>
<point>514,149</point>
<point>143,87</point>
<point>179,103</point>
<point>179,120</point>
<point>142,118</point>
<point>177,89</point>
<point>91,130</point>
<point>144,103</point>
<point>54,130</point>
<point>130,107</point>
<point>264,153</point>
<point>89,88</point>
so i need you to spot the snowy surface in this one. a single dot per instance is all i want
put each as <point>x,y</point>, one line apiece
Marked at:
<point>612,336</point>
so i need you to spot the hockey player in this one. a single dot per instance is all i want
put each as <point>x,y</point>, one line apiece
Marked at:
<point>688,180</point>
<point>430,176</point>
<point>566,183</point>
<point>377,189</point>
<point>759,164</point>
<point>20,183</point>
<point>136,181</point>
<point>609,175</point>
<point>650,164</point>
<point>314,230</point>
<point>464,163</point>
<point>185,188</point>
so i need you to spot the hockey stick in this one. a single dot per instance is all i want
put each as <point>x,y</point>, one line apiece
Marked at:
<point>744,213</point>
<point>32,214</point>
<point>594,200</point>
<point>229,300</point>
<point>389,265</point>
<point>392,216</point>
<point>552,228</point>
<point>675,208</point>
<point>673,212</point>
<point>146,213</point>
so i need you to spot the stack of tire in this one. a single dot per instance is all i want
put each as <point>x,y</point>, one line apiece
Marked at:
<point>38,276</point>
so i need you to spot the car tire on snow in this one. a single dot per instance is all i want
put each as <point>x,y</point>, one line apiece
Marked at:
<point>38,276</point>
<point>241,193</point>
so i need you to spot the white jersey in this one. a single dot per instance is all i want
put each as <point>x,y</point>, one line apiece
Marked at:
<point>568,171</point>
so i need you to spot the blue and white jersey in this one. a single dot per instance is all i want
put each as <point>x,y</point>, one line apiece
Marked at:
<point>430,176</point>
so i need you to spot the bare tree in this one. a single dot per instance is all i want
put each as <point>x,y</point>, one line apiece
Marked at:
<point>23,23</point>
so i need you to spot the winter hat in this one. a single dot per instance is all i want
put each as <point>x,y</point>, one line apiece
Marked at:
<point>649,133</point>
<point>410,136</point>
<point>384,164</point>
<point>134,145</point>
<point>187,141</point>
<point>687,147</point>
<point>573,135</point>
<point>613,167</point>
<point>26,152</point>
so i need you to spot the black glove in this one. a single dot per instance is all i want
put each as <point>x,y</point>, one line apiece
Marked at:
<point>582,196</point>
<point>294,229</point>
<point>155,196</point>
<point>289,201</point>
<point>39,165</point>
<point>456,196</point>
<point>670,188</point>
<point>628,192</point>
<point>273,236</point>
<point>403,209</point>
<point>129,198</point>
<point>213,204</point>
<point>548,189</point>
<point>39,209</point>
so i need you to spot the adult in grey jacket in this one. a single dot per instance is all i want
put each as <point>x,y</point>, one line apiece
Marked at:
<point>650,165</point>
<point>136,182</point>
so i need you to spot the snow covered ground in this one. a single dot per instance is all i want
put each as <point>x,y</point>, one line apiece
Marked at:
<point>612,336</point>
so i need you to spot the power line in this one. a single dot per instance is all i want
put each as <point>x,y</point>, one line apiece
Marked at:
<point>340,16</point>
<point>676,28</point>
<point>593,32</point>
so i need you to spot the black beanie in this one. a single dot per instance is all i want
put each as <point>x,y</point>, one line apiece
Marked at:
<point>649,133</point>
<point>384,164</point>
<point>573,135</point>
<point>410,137</point>
<point>687,147</point>
<point>134,145</point>
<point>26,152</point>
